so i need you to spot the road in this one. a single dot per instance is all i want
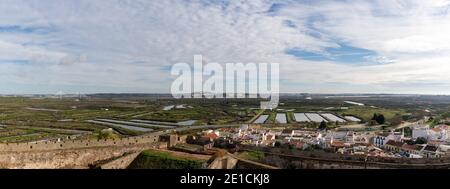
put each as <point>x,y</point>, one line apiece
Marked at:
<point>408,124</point>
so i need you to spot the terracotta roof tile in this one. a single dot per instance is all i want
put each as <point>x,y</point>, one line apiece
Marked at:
<point>394,143</point>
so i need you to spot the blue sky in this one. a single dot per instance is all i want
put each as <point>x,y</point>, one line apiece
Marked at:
<point>385,46</point>
<point>342,54</point>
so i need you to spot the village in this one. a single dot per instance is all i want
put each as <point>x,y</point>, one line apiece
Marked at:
<point>423,142</point>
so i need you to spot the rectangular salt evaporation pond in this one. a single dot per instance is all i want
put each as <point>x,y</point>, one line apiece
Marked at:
<point>352,118</point>
<point>281,118</point>
<point>333,117</point>
<point>261,119</point>
<point>186,123</point>
<point>301,117</point>
<point>167,108</point>
<point>354,103</point>
<point>134,123</point>
<point>154,122</point>
<point>315,117</point>
<point>122,126</point>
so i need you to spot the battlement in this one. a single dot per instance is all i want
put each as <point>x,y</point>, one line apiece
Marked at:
<point>76,144</point>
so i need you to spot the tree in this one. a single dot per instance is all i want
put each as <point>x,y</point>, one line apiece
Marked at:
<point>434,122</point>
<point>421,140</point>
<point>375,117</point>
<point>381,119</point>
<point>106,134</point>
<point>277,144</point>
<point>323,125</point>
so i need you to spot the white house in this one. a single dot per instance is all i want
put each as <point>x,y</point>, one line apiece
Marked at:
<point>438,133</point>
<point>420,132</point>
<point>381,139</point>
<point>431,152</point>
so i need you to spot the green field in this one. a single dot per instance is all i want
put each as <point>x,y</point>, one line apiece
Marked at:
<point>72,114</point>
<point>366,113</point>
<point>24,119</point>
<point>251,155</point>
<point>152,159</point>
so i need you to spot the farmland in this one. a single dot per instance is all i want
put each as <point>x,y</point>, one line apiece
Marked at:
<point>314,117</point>
<point>332,117</point>
<point>261,119</point>
<point>352,118</point>
<point>281,118</point>
<point>152,159</point>
<point>41,118</point>
<point>301,117</point>
<point>48,118</point>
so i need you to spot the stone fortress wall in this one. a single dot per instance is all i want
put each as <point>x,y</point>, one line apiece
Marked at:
<point>82,153</point>
<point>75,153</point>
<point>76,144</point>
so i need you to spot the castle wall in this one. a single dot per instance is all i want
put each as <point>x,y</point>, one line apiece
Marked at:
<point>121,163</point>
<point>76,144</point>
<point>67,158</point>
<point>73,153</point>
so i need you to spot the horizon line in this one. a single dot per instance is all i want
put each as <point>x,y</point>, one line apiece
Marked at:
<point>167,93</point>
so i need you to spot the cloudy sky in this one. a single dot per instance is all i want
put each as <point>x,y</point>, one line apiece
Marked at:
<point>340,46</point>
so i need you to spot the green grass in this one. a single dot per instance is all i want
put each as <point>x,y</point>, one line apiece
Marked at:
<point>290,117</point>
<point>252,155</point>
<point>366,113</point>
<point>208,115</point>
<point>14,112</point>
<point>255,114</point>
<point>30,137</point>
<point>151,159</point>
<point>272,117</point>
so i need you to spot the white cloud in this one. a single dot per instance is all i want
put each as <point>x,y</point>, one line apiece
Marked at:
<point>113,44</point>
<point>413,33</point>
<point>14,51</point>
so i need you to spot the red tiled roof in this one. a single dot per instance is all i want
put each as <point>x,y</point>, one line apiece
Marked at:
<point>394,143</point>
<point>441,126</point>
<point>211,136</point>
<point>430,148</point>
<point>287,131</point>
<point>337,144</point>
<point>436,129</point>
<point>411,147</point>
<point>269,137</point>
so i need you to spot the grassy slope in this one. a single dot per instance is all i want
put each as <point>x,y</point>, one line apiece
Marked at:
<point>366,113</point>
<point>151,159</point>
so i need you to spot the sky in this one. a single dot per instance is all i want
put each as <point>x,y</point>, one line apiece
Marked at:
<point>129,46</point>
